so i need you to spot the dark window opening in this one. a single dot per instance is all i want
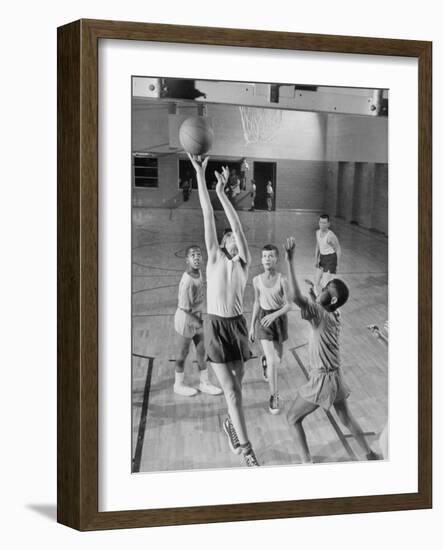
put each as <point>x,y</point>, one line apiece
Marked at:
<point>145,170</point>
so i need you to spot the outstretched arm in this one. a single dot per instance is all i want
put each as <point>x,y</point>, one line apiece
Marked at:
<point>231,214</point>
<point>205,203</point>
<point>295,293</point>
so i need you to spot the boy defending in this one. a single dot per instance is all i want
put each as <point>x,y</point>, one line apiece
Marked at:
<point>327,252</point>
<point>226,332</point>
<point>269,320</point>
<point>326,386</point>
<point>189,325</point>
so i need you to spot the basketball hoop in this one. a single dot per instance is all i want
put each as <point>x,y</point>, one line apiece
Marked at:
<point>259,124</point>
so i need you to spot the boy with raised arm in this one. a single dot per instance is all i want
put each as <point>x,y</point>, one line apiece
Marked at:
<point>326,386</point>
<point>226,333</point>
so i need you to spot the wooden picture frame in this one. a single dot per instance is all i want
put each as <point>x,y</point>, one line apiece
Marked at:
<point>78,465</point>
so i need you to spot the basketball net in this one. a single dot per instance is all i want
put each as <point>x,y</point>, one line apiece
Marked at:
<point>259,124</point>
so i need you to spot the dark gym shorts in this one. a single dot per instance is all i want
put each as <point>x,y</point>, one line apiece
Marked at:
<point>226,339</point>
<point>277,331</point>
<point>328,262</point>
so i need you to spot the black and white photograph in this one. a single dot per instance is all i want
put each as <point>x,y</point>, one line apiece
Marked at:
<point>259,274</point>
<point>194,168</point>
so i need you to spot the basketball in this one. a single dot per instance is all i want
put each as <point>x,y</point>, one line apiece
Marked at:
<point>196,135</point>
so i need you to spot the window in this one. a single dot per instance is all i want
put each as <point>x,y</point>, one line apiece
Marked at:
<point>145,170</point>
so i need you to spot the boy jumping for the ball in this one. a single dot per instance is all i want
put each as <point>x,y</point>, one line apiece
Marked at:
<point>326,386</point>
<point>226,333</point>
<point>188,325</point>
<point>269,320</point>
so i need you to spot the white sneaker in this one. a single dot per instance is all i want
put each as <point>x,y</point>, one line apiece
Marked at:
<point>210,389</point>
<point>187,391</point>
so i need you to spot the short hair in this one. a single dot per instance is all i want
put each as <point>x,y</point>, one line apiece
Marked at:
<point>271,247</point>
<point>192,247</point>
<point>324,216</point>
<point>342,293</point>
<point>226,231</point>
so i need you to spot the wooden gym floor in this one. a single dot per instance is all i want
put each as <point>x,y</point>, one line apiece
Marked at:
<point>172,432</point>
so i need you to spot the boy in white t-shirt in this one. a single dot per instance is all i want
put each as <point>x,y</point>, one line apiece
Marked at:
<point>327,253</point>
<point>269,322</point>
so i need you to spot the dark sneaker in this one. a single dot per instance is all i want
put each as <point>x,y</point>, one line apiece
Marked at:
<point>264,365</point>
<point>274,404</point>
<point>373,456</point>
<point>249,458</point>
<point>231,434</point>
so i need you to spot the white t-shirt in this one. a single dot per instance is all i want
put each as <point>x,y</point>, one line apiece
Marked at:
<point>190,293</point>
<point>270,297</point>
<point>323,241</point>
<point>226,282</point>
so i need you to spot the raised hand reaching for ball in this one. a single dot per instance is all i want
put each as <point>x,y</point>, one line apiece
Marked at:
<point>222,179</point>
<point>198,163</point>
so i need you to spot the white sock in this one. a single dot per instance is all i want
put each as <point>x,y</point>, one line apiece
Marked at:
<point>179,378</point>
<point>204,377</point>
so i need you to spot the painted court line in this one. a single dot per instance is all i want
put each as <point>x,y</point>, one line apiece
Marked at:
<point>144,412</point>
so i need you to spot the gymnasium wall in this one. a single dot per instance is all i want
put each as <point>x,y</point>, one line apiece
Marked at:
<point>357,170</point>
<point>357,139</point>
<point>299,149</point>
<point>300,186</point>
<point>301,136</point>
<point>380,202</point>
<point>335,163</point>
<point>150,129</point>
<point>167,194</point>
<point>357,192</point>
